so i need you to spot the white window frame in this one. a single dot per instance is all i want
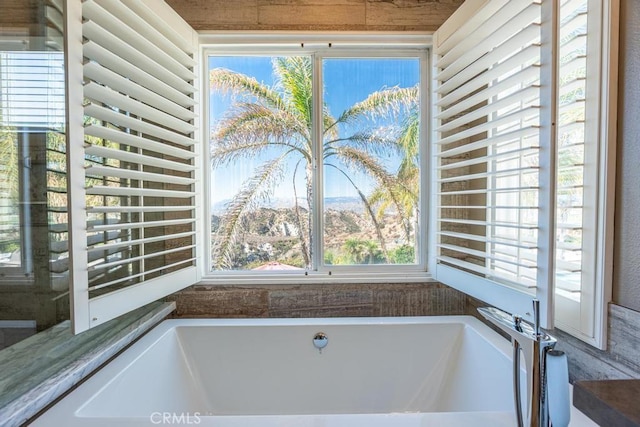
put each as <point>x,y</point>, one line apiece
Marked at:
<point>317,46</point>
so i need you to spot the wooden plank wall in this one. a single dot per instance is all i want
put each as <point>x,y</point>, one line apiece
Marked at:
<point>318,300</point>
<point>15,14</point>
<point>300,15</point>
<point>315,15</point>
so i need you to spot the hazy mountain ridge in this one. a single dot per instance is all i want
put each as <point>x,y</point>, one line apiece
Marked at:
<point>271,225</point>
<point>337,203</point>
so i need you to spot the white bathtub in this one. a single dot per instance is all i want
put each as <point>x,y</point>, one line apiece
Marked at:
<point>417,371</point>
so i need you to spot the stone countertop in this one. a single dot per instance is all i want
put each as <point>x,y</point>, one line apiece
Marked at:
<point>610,403</point>
<point>39,369</point>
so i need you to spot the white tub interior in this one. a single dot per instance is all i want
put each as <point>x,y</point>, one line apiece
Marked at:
<point>394,371</point>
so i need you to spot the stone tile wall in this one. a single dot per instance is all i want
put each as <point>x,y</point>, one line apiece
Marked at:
<point>621,359</point>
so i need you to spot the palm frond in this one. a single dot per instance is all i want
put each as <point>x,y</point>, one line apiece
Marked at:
<point>381,104</point>
<point>329,131</point>
<point>245,118</point>
<point>363,162</point>
<point>381,141</point>
<point>410,135</point>
<point>9,168</point>
<point>251,130</point>
<point>227,81</point>
<point>227,154</point>
<point>404,197</point>
<point>295,75</point>
<point>257,188</point>
<point>379,198</point>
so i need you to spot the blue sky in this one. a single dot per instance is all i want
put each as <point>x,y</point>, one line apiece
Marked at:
<point>346,81</point>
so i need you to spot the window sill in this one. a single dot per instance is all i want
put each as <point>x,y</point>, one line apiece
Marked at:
<point>316,278</point>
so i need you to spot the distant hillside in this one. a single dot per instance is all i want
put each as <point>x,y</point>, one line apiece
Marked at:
<point>338,203</point>
<point>274,226</point>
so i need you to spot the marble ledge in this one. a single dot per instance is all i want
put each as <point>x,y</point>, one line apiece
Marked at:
<point>38,370</point>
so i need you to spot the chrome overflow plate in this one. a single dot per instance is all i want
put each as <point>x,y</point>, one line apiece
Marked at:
<point>320,341</point>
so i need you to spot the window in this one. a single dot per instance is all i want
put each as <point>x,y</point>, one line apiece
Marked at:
<point>32,177</point>
<point>315,161</point>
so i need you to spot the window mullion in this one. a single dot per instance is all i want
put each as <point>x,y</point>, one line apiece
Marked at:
<point>317,223</point>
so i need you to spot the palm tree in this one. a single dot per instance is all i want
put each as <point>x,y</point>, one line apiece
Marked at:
<point>408,174</point>
<point>264,120</point>
<point>362,251</point>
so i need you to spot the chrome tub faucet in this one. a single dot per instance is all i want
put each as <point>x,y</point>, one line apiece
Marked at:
<point>536,348</point>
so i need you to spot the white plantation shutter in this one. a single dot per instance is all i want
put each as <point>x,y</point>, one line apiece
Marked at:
<point>494,153</point>
<point>135,153</point>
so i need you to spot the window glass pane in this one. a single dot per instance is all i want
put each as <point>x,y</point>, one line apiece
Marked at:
<point>34,277</point>
<point>370,159</point>
<point>571,149</point>
<point>260,117</point>
<point>31,119</point>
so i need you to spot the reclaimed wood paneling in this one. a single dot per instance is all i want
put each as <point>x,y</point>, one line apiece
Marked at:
<point>621,360</point>
<point>16,14</point>
<point>315,15</point>
<point>612,403</point>
<point>418,300</point>
<point>338,300</point>
<point>626,271</point>
<point>219,302</point>
<point>293,14</point>
<point>217,14</point>
<point>321,301</point>
<point>426,15</point>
